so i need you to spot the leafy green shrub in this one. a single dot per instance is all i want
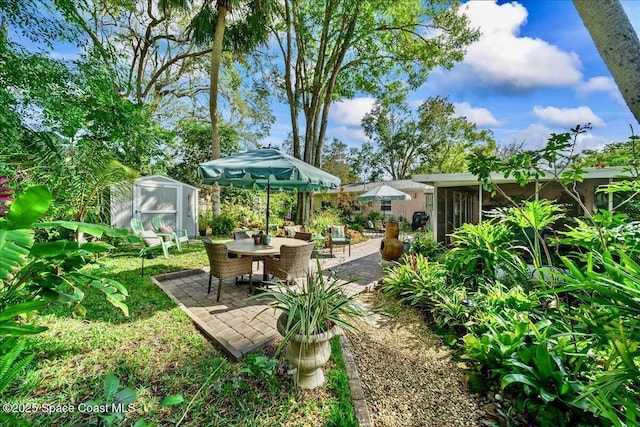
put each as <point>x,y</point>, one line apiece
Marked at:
<point>356,227</point>
<point>375,216</point>
<point>583,368</point>
<point>499,343</point>
<point>609,231</point>
<point>357,222</point>
<point>275,222</point>
<point>242,214</point>
<point>425,245</point>
<point>322,219</point>
<point>548,391</point>
<point>450,311</point>
<point>532,214</point>
<point>611,314</point>
<point>524,219</point>
<point>479,250</point>
<point>415,280</point>
<point>36,274</point>
<point>222,224</point>
<point>495,297</point>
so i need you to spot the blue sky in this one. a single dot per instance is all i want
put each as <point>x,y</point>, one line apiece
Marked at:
<point>534,71</point>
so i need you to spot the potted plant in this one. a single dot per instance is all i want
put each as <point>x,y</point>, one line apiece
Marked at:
<point>312,314</point>
<point>202,224</point>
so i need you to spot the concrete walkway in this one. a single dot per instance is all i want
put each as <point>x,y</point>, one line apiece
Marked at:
<point>240,324</point>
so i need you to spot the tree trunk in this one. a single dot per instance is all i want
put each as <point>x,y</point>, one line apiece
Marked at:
<point>216,57</point>
<point>617,43</point>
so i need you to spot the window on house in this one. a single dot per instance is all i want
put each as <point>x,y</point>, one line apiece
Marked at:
<point>385,206</point>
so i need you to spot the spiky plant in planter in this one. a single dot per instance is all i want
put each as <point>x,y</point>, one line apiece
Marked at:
<point>312,314</point>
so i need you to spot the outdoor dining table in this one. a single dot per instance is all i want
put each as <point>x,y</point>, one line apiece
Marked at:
<point>246,247</point>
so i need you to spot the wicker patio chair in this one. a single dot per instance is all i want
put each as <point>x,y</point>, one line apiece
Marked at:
<point>237,235</point>
<point>293,262</point>
<point>301,235</point>
<point>224,267</point>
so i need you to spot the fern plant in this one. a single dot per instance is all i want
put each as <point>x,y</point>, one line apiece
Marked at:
<point>12,362</point>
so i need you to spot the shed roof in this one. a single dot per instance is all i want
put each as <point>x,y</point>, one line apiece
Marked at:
<point>159,177</point>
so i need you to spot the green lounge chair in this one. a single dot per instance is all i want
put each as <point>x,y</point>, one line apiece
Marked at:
<point>178,236</point>
<point>150,238</point>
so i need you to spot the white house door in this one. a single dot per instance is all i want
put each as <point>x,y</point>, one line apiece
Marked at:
<point>162,200</point>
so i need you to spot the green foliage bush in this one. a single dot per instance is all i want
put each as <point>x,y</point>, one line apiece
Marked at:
<point>222,224</point>
<point>415,281</point>
<point>479,250</point>
<point>357,222</point>
<point>322,219</point>
<point>565,347</point>
<point>243,215</point>
<point>424,244</point>
<point>375,216</point>
<point>36,274</point>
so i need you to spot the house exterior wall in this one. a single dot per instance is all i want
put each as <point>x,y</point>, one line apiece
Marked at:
<point>399,208</point>
<point>456,205</point>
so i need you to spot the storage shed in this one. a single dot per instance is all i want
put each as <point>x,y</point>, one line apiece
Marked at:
<point>156,195</point>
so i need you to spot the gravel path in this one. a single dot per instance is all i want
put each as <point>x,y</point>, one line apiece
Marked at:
<point>407,373</point>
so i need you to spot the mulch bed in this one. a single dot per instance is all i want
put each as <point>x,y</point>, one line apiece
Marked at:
<point>408,375</point>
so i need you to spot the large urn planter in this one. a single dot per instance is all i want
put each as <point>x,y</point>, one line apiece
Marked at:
<point>391,248</point>
<point>307,355</point>
<point>312,312</point>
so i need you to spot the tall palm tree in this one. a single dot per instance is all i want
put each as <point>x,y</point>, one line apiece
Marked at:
<point>617,43</point>
<point>247,29</point>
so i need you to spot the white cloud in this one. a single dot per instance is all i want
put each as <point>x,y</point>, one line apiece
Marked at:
<point>536,136</point>
<point>589,141</point>
<point>567,117</point>
<point>478,115</point>
<point>350,112</point>
<point>601,84</point>
<point>533,137</point>
<point>348,135</point>
<point>598,84</point>
<point>502,59</point>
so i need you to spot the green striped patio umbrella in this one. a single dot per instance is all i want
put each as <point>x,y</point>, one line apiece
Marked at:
<point>266,169</point>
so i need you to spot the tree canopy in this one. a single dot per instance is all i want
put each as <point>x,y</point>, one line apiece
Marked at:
<point>330,50</point>
<point>144,67</point>
<point>403,142</point>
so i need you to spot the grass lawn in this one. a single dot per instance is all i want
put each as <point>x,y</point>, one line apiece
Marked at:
<point>158,352</point>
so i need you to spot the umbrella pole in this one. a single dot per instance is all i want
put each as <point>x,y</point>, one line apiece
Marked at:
<point>268,201</point>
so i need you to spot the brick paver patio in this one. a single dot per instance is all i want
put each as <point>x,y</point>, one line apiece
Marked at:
<point>240,324</point>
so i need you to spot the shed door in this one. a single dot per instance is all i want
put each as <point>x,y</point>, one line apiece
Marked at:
<point>152,199</point>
